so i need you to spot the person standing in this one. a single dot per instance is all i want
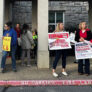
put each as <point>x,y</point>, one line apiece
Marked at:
<point>26,43</point>
<point>9,32</point>
<point>35,44</point>
<point>18,51</point>
<point>59,28</point>
<point>83,34</point>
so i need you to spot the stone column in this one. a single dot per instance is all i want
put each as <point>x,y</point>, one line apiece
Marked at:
<point>7,11</point>
<point>43,54</point>
<point>34,14</point>
<point>90,15</point>
<point>1,26</point>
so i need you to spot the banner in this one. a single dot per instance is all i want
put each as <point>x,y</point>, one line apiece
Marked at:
<point>59,40</point>
<point>83,50</point>
<point>6,43</point>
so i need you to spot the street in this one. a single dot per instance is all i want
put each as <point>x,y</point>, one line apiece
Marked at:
<point>48,89</point>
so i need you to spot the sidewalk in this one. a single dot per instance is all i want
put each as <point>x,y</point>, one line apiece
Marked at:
<point>32,73</point>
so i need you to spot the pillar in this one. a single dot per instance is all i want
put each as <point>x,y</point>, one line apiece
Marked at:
<point>1,25</point>
<point>7,11</point>
<point>90,14</point>
<point>34,14</point>
<point>42,22</point>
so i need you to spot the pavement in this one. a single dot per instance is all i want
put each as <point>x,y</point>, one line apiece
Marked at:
<point>33,73</point>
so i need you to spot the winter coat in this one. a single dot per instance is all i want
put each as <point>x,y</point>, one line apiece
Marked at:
<point>26,40</point>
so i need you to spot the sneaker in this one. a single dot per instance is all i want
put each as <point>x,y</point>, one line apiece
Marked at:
<point>87,74</point>
<point>55,74</point>
<point>23,64</point>
<point>28,65</point>
<point>3,71</point>
<point>80,73</point>
<point>14,70</point>
<point>64,73</point>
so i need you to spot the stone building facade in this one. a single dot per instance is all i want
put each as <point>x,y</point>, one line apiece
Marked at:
<point>38,16</point>
<point>74,12</point>
<point>22,12</point>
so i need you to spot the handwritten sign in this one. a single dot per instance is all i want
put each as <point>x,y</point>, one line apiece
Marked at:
<point>7,43</point>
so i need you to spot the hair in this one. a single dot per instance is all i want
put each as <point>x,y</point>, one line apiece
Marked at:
<point>80,26</point>
<point>18,23</point>
<point>24,29</point>
<point>36,31</point>
<point>58,27</point>
<point>85,24</point>
<point>9,24</point>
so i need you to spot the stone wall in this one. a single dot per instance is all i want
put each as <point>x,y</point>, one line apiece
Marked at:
<point>22,12</point>
<point>75,12</point>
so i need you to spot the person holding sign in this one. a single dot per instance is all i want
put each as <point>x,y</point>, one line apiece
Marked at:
<point>81,35</point>
<point>59,28</point>
<point>9,33</point>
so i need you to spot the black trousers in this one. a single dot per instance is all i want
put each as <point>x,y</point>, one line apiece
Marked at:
<point>57,57</point>
<point>18,52</point>
<point>86,68</point>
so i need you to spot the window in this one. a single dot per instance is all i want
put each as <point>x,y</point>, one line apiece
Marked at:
<point>54,18</point>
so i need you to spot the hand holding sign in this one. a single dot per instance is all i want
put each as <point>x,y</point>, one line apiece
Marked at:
<point>81,39</point>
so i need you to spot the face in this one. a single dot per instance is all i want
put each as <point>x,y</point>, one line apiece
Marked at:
<point>61,26</point>
<point>83,25</point>
<point>33,33</point>
<point>17,25</point>
<point>6,27</point>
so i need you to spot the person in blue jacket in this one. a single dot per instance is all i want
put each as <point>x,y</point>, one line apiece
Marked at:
<point>9,32</point>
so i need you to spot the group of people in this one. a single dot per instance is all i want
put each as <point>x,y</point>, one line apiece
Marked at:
<point>82,34</point>
<point>22,41</point>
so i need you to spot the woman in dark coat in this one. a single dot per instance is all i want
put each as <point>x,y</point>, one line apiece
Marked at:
<point>83,34</point>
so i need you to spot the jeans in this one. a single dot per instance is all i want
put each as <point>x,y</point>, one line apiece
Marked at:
<point>87,66</point>
<point>4,56</point>
<point>57,57</point>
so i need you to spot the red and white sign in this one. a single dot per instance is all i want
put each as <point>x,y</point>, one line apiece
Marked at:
<point>59,40</point>
<point>83,50</point>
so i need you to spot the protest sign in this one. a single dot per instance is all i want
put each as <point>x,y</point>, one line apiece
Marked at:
<point>59,40</point>
<point>6,43</point>
<point>83,50</point>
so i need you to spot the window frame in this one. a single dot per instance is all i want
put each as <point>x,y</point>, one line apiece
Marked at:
<point>55,12</point>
